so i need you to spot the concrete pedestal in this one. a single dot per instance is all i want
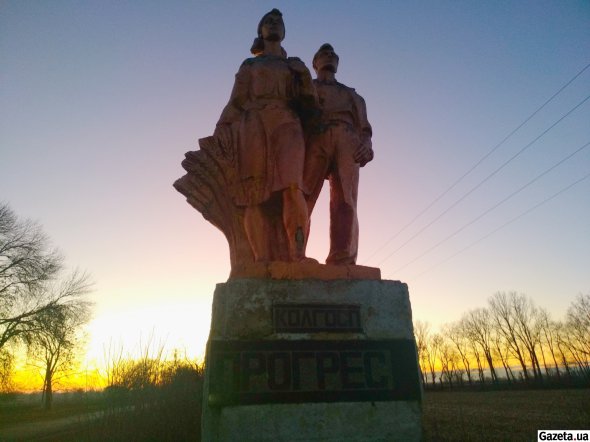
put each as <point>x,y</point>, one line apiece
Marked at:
<point>311,360</point>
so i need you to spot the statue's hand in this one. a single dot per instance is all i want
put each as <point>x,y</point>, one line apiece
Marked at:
<point>364,153</point>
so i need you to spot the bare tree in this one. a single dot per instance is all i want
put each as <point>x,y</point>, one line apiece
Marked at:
<point>501,351</point>
<point>478,327</point>
<point>27,262</point>
<point>29,293</point>
<point>476,352</point>
<point>549,335</point>
<point>562,345</point>
<point>432,350</point>
<point>511,329</point>
<point>422,335</point>
<point>449,358</point>
<point>578,321</point>
<point>527,328</point>
<point>55,341</point>
<point>574,340</point>
<point>457,335</point>
<point>501,308</point>
<point>6,362</point>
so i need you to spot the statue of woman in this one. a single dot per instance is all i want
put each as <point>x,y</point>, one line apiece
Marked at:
<point>271,97</point>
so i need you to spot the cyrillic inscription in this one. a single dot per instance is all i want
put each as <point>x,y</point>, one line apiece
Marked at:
<point>247,372</point>
<point>303,318</point>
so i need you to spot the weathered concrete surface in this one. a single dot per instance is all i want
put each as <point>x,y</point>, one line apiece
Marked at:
<point>338,422</point>
<point>242,310</point>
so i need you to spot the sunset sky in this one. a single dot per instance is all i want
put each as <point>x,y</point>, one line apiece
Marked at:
<point>101,99</point>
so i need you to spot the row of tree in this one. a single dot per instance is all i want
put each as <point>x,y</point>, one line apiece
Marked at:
<point>41,310</point>
<point>511,339</point>
<point>150,396</point>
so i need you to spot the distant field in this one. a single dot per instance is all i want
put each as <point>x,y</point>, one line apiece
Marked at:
<point>503,415</point>
<point>447,416</point>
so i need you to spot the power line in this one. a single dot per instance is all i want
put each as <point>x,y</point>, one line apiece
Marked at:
<point>477,186</point>
<point>452,186</point>
<point>526,212</point>
<point>495,206</point>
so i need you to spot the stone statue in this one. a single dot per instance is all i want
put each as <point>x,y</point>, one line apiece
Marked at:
<point>247,179</point>
<point>337,148</point>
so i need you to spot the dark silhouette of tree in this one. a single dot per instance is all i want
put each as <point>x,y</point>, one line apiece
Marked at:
<point>33,305</point>
<point>479,328</point>
<point>55,342</point>
<point>422,334</point>
<point>457,335</point>
<point>433,346</point>
<point>6,362</point>
<point>448,356</point>
<point>549,341</point>
<point>527,327</point>
<point>27,262</point>
<point>501,309</point>
<point>562,346</point>
<point>577,329</point>
<point>501,351</point>
<point>512,330</point>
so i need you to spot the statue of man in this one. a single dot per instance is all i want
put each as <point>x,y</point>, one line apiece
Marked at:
<point>263,120</point>
<point>337,148</point>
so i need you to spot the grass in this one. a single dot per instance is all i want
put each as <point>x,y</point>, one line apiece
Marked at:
<point>27,408</point>
<point>503,415</point>
<point>447,416</point>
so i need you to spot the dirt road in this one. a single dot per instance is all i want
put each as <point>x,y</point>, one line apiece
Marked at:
<point>46,430</point>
